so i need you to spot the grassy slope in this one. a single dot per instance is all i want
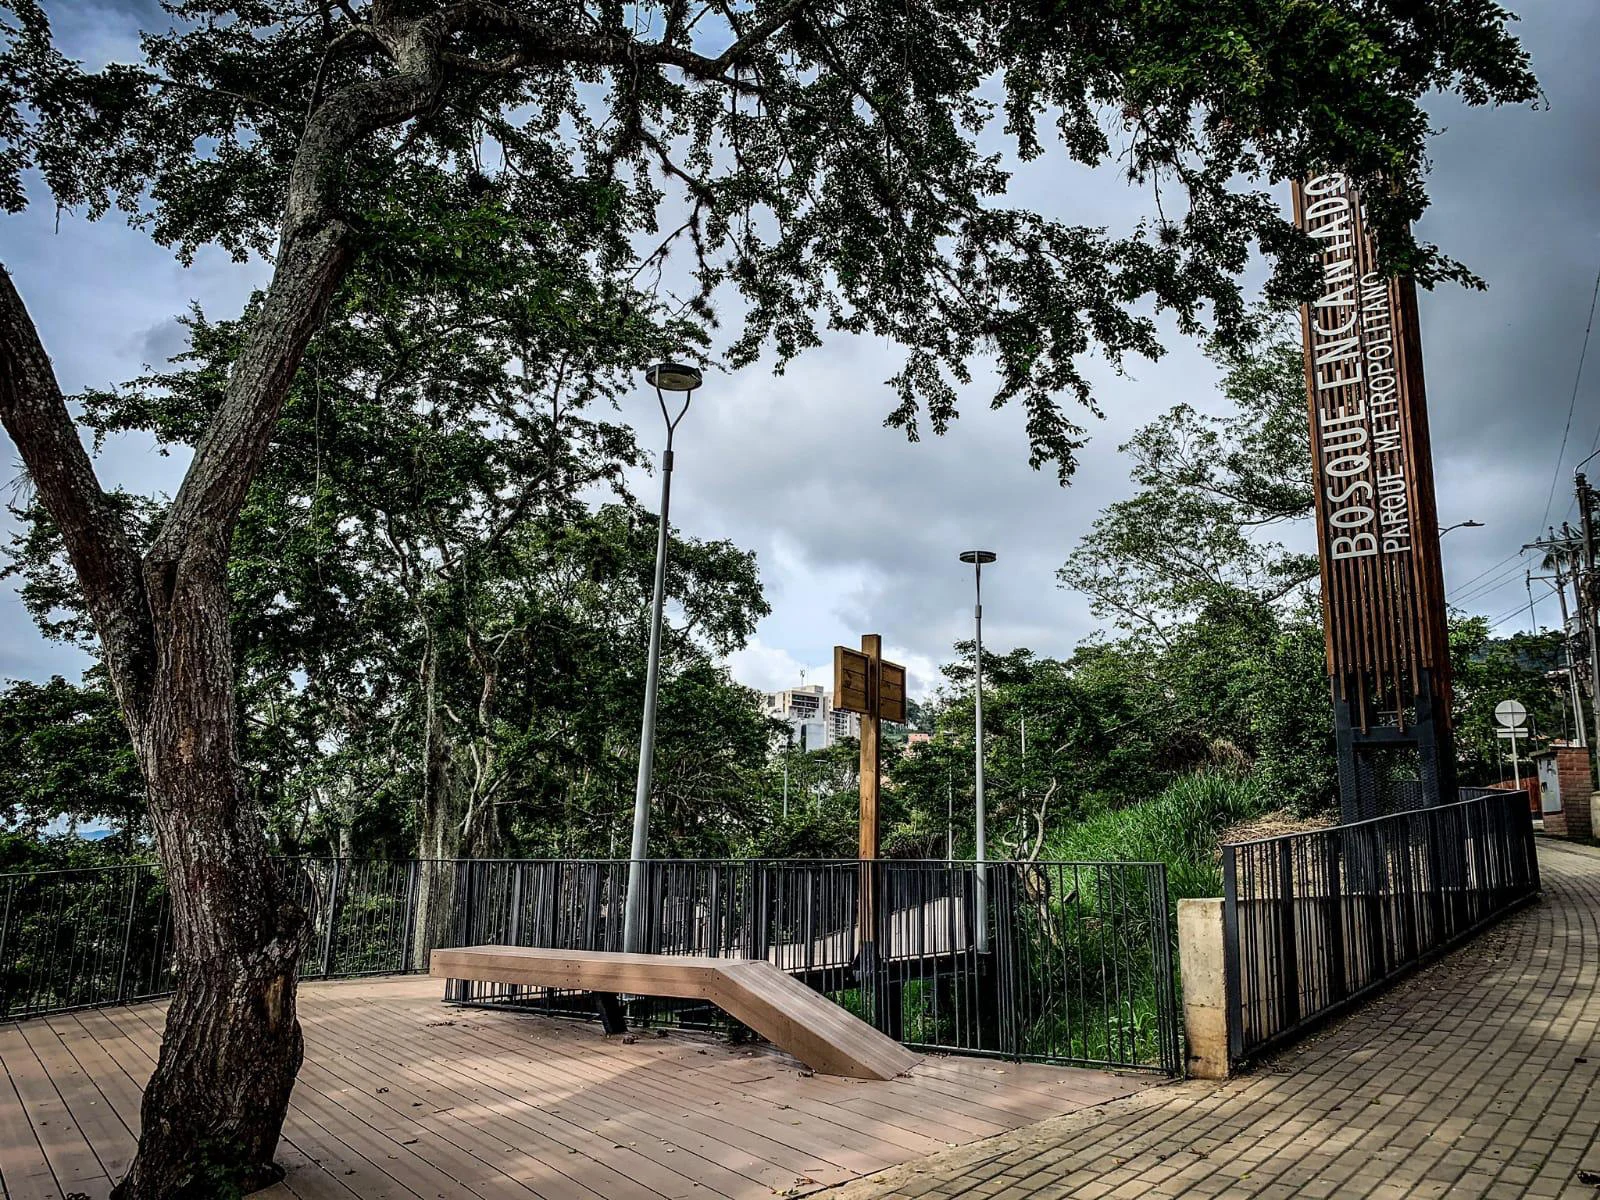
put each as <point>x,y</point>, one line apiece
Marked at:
<point>1179,827</point>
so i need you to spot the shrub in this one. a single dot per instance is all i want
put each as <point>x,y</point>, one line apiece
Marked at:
<point>1179,826</point>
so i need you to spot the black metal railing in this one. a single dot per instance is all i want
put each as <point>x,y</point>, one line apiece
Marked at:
<point>73,938</point>
<point>1060,962</point>
<point>1314,921</point>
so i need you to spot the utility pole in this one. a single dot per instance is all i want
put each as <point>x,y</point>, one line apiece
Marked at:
<point>1572,662</point>
<point>1589,596</point>
<point>1564,553</point>
<point>1558,583</point>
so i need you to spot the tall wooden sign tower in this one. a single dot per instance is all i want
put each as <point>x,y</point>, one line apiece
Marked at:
<point>1377,524</point>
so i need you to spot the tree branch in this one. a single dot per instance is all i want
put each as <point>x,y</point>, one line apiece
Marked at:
<point>316,252</point>
<point>762,30</point>
<point>34,413</point>
<point>537,43</point>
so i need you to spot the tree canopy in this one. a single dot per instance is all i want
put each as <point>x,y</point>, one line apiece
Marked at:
<point>1217,497</point>
<point>839,166</point>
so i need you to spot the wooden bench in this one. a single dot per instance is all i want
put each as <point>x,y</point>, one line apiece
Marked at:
<point>788,1014</point>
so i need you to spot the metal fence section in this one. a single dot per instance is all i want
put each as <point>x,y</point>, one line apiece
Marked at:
<point>69,939</point>
<point>1079,966</point>
<point>1314,921</point>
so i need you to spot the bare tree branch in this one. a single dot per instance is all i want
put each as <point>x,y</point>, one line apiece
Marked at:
<point>34,413</point>
<point>536,43</point>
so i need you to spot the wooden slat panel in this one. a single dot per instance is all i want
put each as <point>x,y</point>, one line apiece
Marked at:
<point>71,1157</point>
<point>24,1170</point>
<point>105,1132</point>
<point>626,1087</point>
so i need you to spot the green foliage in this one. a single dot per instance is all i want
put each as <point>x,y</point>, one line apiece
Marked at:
<point>824,805</point>
<point>440,586</point>
<point>1213,492</point>
<point>67,759</point>
<point>1241,687</point>
<point>841,168</point>
<point>1181,826</point>
<point>1524,667</point>
<point>437,578</point>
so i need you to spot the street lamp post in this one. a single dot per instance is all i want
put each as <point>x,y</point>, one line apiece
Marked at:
<point>788,752</point>
<point>1461,525</point>
<point>664,377</point>
<point>980,852</point>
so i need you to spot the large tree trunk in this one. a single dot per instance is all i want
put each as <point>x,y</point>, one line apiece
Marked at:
<point>214,1108</point>
<point>444,836</point>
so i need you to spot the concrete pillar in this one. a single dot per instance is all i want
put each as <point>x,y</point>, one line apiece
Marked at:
<point>1205,992</point>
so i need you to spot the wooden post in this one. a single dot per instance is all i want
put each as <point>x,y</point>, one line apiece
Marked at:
<point>864,683</point>
<point>872,647</point>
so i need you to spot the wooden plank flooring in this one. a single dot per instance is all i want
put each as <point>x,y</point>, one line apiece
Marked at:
<point>403,1098</point>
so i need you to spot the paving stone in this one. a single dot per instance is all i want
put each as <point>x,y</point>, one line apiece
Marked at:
<point>1462,1081</point>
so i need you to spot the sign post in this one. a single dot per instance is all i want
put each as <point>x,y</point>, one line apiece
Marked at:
<point>1377,525</point>
<point>1511,717</point>
<point>865,682</point>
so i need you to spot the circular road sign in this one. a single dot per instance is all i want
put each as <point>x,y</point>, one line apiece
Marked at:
<point>1510,713</point>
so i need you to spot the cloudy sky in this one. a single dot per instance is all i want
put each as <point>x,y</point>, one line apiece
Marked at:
<point>858,531</point>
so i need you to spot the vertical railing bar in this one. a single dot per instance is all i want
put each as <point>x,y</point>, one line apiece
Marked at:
<point>409,916</point>
<point>1231,966</point>
<point>127,937</point>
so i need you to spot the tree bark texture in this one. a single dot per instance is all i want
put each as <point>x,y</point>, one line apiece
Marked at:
<point>214,1107</point>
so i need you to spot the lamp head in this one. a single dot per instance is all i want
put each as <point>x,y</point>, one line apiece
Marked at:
<point>673,377</point>
<point>977,556</point>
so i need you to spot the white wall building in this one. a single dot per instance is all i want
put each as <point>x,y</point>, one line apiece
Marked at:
<point>809,711</point>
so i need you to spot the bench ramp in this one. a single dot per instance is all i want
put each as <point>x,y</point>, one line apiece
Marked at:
<point>788,1014</point>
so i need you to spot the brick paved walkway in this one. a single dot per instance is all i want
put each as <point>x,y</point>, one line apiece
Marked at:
<point>1477,1077</point>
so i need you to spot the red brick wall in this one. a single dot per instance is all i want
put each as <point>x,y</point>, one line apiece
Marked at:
<point>1572,767</point>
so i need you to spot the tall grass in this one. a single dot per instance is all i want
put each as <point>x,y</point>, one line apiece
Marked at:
<point>1180,827</point>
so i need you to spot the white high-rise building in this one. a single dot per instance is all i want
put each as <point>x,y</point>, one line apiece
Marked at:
<point>810,713</point>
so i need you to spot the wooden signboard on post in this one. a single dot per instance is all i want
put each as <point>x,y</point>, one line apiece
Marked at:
<point>1377,527</point>
<point>852,680</point>
<point>891,692</point>
<point>863,682</point>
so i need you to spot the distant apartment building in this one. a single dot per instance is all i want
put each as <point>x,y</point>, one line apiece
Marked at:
<point>812,719</point>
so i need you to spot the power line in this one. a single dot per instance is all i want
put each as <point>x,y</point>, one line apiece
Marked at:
<point>1518,611</point>
<point>1494,584</point>
<point>1461,587</point>
<point>1583,353</point>
<point>1488,585</point>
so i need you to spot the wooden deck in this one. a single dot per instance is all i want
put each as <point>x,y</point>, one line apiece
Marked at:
<point>402,1097</point>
